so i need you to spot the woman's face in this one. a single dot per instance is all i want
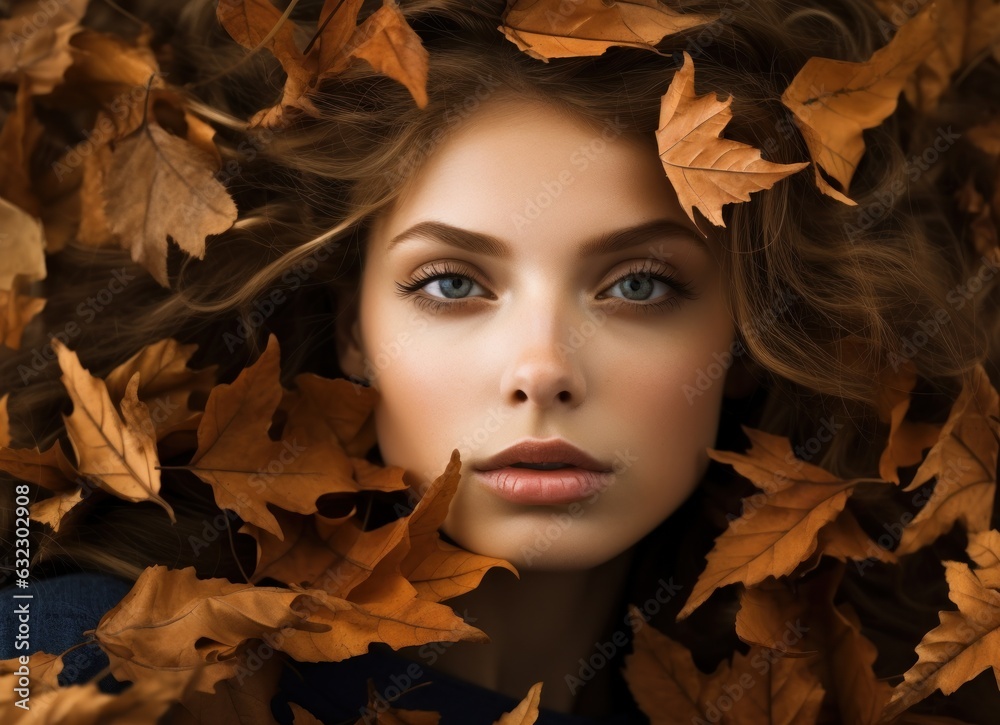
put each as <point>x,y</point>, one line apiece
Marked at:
<point>532,334</point>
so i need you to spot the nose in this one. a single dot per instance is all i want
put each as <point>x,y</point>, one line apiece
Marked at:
<point>543,367</point>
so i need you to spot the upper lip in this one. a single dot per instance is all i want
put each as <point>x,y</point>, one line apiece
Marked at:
<point>536,450</point>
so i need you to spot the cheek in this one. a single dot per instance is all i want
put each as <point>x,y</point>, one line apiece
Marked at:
<point>671,403</point>
<point>424,399</point>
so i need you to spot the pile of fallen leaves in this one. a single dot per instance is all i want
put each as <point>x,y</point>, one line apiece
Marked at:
<point>147,169</point>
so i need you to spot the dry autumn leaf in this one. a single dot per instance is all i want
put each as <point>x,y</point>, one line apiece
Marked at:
<point>385,595</point>
<point>38,52</point>
<point>907,439</point>
<point>437,569</point>
<point>778,529</point>
<point>379,708</point>
<point>526,711</point>
<point>967,30</point>
<point>173,621</point>
<point>50,469</point>
<point>835,100</point>
<point>54,509</point>
<point>932,76</point>
<point>547,29</point>
<point>248,470</point>
<point>18,139</point>
<point>317,545</point>
<point>982,228</point>
<point>166,384</point>
<point>384,39</point>
<point>115,452</point>
<point>161,185</point>
<point>393,614</point>
<point>706,170</point>
<point>239,699</point>
<point>259,24</point>
<point>42,673</point>
<point>349,420</point>
<point>830,635</point>
<point>966,641</point>
<point>391,47</point>
<point>85,704</point>
<point>5,438</point>
<point>964,463</point>
<point>669,688</point>
<point>22,246</point>
<point>16,312</point>
<point>144,702</point>
<point>113,73</point>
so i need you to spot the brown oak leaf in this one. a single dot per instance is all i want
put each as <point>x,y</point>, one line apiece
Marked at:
<point>437,569</point>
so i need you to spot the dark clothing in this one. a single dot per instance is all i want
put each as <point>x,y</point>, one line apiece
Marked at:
<point>62,607</point>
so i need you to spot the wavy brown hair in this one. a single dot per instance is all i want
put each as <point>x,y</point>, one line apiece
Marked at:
<point>809,278</point>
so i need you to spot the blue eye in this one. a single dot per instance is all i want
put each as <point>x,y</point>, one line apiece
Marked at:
<point>641,285</point>
<point>454,286</point>
<point>457,283</point>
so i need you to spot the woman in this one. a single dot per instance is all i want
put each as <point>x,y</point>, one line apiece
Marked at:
<point>528,288</point>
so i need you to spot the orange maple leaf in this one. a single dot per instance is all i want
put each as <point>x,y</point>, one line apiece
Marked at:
<point>830,636</point>
<point>773,536</point>
<point>248,470</point>
<point>161,185</point>
<point>171,620</point>
<point>385,40</point>
<point>145,701</point>
<point>526,711</point>
<point>116,452</point>
<point>669,688</point>
<point>706,170</point>
<point>378,706</point>
<point>966,641</point>
<point>907,439</point>
<point>835,100</point>
<point>547,30</point>
<point>964,462</point>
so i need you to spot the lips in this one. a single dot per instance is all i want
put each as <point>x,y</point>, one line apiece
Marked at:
<point>543,451</point>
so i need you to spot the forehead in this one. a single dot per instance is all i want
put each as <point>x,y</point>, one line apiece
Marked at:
<point>523,169</point>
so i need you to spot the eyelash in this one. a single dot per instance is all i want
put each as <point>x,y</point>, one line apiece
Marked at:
<point>684,291</point>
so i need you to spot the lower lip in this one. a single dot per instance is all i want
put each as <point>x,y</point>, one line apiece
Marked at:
<point>532,486</point>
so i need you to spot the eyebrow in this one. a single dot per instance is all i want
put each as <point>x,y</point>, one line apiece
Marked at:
<point>487,244</point>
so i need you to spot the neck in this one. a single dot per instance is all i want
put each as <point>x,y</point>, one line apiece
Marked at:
<point>540,627</point>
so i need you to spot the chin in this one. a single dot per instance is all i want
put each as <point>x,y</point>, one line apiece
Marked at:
<point>529,552</point>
